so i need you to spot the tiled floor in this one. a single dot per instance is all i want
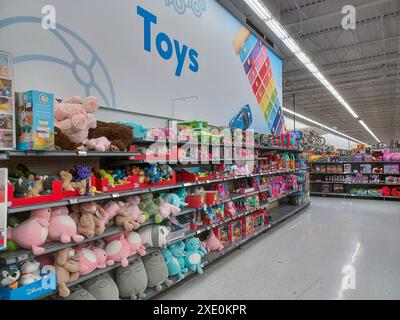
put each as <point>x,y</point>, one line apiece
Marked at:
<point>336,249</point>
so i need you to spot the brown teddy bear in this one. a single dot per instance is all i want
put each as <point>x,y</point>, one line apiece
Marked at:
<point>120,136</point>
<point>66,178</point>
<point>63,142</point>
<point>67,270</point>
<point>125,218</point>
<point>90,219</point>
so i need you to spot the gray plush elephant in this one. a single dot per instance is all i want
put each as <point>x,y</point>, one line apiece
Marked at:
<point>132,280</point>
<point>157,270</point>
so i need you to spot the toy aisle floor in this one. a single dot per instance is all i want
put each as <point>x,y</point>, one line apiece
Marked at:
<point>304,257</point>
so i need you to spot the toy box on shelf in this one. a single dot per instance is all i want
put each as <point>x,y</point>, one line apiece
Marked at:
<point>223,234</point>
<point>7,114</point>
<point>76,192</point>
<point>144,185</point>
<point>258,219</point>
<point>195,200</point>
<point>247,225</point>
<point>195,174</point>
<point>235,230</point>
<point>56,195</point>
<point>39,288</point>
<point>103,185</point>
<point>35,120</point>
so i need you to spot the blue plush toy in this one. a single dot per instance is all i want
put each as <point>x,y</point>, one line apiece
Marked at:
<point>194,253</point>
<point>153,174</point>
<point>178,251</point>
<point>174,200</point>
<point>137,129</point>
<point>181,193</point>
<point>118,174</point>
<point>174,268</point>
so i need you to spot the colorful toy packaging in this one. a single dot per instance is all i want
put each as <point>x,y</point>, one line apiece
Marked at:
<point>223,234</point>
<point>35,121</point>
<point>235,230</point>
<point>7,123</point>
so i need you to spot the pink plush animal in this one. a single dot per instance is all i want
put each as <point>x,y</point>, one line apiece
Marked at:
<point>212,243</point>
<point>111,208</point>
<point>87,261</point>
<point>117,250</point>
<point>132,205</point>
<point>166,210</point>
<point>62,227</point>
<point>33,232</point>
<point>229,209</point>
<point>101,144</point>
<point>74,116</point>
<point>136,244</point>
<point>102,259</point>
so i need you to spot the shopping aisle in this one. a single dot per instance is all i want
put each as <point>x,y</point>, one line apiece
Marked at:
<point>304,257</point>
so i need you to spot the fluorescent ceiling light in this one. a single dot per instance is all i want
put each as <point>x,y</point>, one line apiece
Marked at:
<point>369,130</point>
<point>262,11</point>
<point>323,126</point>
<point>259,9</point>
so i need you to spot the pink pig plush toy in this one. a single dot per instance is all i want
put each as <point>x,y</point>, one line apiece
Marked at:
<point>74,116</point>
<point>101,144</point>
<point>32,233</point>
<point>212,243</point>
<point>92,258</point>
<point>132,204</point>
<point>117,249</point>
<point>62,227</point>
<point>136,244</point>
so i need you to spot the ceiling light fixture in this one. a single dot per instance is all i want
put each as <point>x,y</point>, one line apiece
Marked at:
<point>322,125</point>
<point>263,12</point>
<point>369,130</point>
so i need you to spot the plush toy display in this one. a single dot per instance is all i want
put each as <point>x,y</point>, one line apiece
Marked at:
<point>181,193</point>
<point>174,268</point>
<point>87,260</point>
<point>153,174</point>
<point>132,280</point>
<point>194,253</point>
<point>155,236</point>
<point>178,251</point>
<point>139,131</point>
<point>83,174</point>
<point>32,233</point>
<point>102,287</point>
<point>101,144</point>
<point>157,270</point>
<point>67,270</point>
<point>104,174</point>
<point>149,205</point>
<point>30,272</point>
<point>37,189</point>
<point>136,245</point>
<point>129,216</point>
<point>9,276</point>
<point>132,204</point>
<point>90,219</point>
<point>74,117</point>
<point>21,188</point>
<point>120,136</point>
<point>118,250</point>
<point>62,227</point>
<point>212,243</point>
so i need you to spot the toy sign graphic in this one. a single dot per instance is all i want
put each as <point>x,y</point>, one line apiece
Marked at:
<point>257,67</point>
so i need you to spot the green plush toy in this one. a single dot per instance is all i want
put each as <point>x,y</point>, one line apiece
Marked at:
<point>150,206</point>
<point>104,174</point>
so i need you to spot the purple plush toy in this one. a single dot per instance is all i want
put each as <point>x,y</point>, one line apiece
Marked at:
<point>84,173</point>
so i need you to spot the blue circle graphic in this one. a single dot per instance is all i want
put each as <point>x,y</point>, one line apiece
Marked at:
<point>82,72</point>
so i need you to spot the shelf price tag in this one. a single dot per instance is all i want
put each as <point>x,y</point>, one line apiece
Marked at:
<point>82,153</point>
<point>73,201</point>
<point>187,184</point>
<point>115,195</point>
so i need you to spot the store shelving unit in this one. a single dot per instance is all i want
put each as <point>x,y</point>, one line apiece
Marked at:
<point>318,178</point>
<point>118,158</point>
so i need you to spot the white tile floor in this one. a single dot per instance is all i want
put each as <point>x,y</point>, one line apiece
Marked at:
<point>303,258</point>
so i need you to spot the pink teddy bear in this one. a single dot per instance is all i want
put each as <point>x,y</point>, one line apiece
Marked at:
<point>74,116</point>
<point>212,243</point>
<point>136,244</point>
<point>101,144</point>
<point>62,227</point>
<point>32,233</point>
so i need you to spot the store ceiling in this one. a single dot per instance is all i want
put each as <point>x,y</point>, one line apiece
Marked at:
<point>362,64</point>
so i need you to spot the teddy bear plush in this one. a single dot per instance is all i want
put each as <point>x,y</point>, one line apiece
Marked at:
<point>67,270</point>
<point>66,178</point>
<point>120,136</point>
<point>63,142</point>
<point>74,117</point>
<point>90,219</point>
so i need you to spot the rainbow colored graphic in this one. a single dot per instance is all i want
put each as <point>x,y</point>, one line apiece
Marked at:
<point>257,66</point>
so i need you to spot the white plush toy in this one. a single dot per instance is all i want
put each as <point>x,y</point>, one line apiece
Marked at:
<point>30,272</point>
